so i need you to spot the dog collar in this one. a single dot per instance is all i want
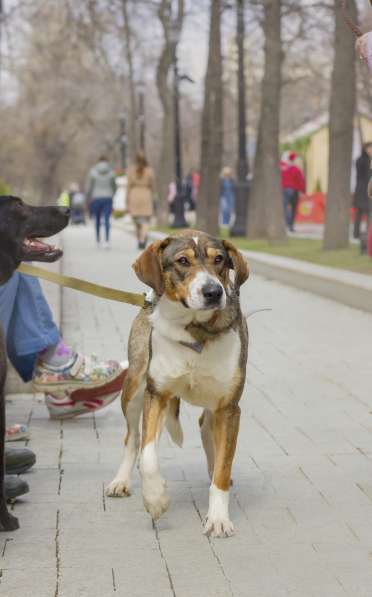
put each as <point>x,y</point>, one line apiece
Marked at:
<point>195,346</point>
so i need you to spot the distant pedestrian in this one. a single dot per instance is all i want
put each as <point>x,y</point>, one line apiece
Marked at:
<point>100,189</point>
<point>141,185</point>
<point>363,173</point>
<point>77,204</point>
<point>293,183</point>
<point>64,199</point>
<point>227,196</point>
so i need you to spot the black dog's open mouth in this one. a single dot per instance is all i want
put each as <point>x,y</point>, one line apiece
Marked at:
<point>35,249</point>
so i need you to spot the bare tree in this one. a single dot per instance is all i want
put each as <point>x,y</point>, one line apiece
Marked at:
<point>212,129</point>
<point>265,213</point>
<point>166,164</point>
<point>341,117</point>
<point>133,112</point>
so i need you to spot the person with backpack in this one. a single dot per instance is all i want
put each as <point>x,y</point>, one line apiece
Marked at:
<point>100,189</point>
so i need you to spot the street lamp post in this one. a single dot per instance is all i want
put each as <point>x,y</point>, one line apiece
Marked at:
<point>141,114</point>
<point>123,141</point>
<point>179,220</point>
<point>242,185</point>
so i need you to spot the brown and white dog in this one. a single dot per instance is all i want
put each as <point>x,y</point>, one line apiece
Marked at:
<point>192,344</point>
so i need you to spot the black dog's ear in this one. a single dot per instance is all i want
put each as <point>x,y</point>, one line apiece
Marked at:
<point>238,263</point>
<point>148,266</point>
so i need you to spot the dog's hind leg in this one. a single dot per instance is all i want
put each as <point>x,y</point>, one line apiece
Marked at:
<point>154,492</point>
<point>132,405</point>
<point>206,432</point>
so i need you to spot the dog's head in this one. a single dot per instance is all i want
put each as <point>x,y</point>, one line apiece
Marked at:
<point>21,227</point>
<point>192,268</point>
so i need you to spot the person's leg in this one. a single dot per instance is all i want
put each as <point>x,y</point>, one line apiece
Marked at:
<point>357,223</point>
<point>79,384</point>
<point>27,322</point>
<point>95,209</point>
<point>294,203</point>
<point>286,207</point>
<point>107,210</point>
<point>145,230</point>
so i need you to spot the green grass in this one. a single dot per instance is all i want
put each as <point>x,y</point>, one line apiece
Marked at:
<point>308,250</point>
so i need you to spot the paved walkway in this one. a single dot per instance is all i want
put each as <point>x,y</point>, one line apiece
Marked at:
<point>302,495</point>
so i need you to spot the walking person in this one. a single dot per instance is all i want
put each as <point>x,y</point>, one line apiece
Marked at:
<point>227,196</point>
<point>293,183</point>
<point>363,173</point>
<point>100,189</point>
<point>141,186</point>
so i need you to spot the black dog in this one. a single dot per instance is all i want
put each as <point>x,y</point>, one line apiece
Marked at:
<point>20,227</point>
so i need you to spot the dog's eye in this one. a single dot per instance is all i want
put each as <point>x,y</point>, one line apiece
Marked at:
<point>218,259</point>
<point>183,261</point>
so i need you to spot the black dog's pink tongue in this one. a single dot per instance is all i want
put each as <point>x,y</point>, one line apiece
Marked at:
<point>38,245</point>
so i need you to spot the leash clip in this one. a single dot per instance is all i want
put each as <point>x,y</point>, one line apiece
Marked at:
<point>148,298</point>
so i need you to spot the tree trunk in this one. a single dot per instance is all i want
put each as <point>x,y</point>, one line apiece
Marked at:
<point>341,126</point>
<point>212,130</point>
<point>133,115</point>
<point>165,172</point>
<point>265,210</point>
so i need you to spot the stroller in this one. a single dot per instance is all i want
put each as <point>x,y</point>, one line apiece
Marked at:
<point>77,206</point>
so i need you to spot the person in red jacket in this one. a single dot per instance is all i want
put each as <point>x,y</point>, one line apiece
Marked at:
<point>293,183</point>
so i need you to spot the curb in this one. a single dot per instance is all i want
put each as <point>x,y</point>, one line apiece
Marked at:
<point>348,288</point>
<point>345,287</point>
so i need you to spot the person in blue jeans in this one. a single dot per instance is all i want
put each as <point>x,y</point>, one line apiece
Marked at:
<point>38,353</point>
<point>100,189</point>
<point>227,196</point>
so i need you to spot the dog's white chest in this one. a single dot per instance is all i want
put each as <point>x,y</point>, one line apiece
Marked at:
<point>202,378</point>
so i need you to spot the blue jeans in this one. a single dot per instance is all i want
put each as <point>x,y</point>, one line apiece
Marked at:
<point>27,322</point>
<point>102,206</point>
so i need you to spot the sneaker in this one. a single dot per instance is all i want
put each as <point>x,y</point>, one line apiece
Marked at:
<point>82,372</point>
<point>18,460</point>
<point>14,487</point>
<point>69,404</point>
<point>16,433</point>
<point>106,245</point>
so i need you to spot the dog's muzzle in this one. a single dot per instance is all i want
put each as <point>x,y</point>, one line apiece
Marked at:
<point>205,292</point>
<point>212,292</point>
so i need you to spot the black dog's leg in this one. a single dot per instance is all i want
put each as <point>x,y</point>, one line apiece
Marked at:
<point>8,522</point>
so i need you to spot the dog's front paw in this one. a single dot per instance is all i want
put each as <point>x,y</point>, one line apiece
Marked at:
<point>218,527</point>
<point>8,522</point>
<point>155,497</point>
<point>118,488</point>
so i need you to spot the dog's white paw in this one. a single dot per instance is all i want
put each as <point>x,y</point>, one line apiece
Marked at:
<point>155,497</point>
<point>118,488</point>
<point>218,527</point>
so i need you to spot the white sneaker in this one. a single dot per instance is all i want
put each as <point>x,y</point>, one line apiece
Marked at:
<point>106,245</point>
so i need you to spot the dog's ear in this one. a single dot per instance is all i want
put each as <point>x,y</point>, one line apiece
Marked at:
<point>238,263</point>
<point>148,266</point>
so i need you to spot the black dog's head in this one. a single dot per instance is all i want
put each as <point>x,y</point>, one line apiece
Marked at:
<point>21,226</point>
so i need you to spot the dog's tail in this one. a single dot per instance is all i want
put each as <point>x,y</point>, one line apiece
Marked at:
<point>172,422</point>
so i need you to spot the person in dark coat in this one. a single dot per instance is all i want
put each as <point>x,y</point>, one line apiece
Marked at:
<point>363,174</point>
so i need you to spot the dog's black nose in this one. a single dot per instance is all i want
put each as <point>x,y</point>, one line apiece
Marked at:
<point>65,211</point>
<point>212,292</point>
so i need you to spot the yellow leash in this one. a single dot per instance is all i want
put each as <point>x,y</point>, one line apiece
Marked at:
<point>132,298</point>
